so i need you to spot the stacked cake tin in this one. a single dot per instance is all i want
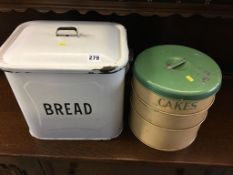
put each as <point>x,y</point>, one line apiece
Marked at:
<point>173,88</point>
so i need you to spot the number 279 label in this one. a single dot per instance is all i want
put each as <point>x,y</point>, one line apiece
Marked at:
<point>94,58</point>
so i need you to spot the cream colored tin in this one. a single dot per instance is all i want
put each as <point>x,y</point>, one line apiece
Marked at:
<point>166,120</point>
<point>161,138</point>
<point>174,106</point>
<point>173,88</point>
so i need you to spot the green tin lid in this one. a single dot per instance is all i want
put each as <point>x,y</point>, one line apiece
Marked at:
<point>178,72</point>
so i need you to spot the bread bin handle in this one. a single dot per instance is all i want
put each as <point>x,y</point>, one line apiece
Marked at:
<point>64,29</point>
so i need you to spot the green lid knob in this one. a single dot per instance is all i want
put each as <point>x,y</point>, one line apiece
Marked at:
<point>178,72</point>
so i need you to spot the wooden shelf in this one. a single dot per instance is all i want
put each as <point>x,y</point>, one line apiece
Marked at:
<point>212,147</point>
<point>146,8</point>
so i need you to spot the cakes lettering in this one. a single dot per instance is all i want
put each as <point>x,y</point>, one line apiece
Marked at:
<point>177,105</point>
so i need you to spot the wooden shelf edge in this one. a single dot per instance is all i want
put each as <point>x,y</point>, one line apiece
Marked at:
<point>122,8</point>
<point>119,160</point>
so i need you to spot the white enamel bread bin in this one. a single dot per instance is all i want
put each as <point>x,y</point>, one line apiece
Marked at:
<point>68,77</point>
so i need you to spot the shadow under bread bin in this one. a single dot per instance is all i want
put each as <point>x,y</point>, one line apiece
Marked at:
<point>173,88</point>
<point>68,77</point>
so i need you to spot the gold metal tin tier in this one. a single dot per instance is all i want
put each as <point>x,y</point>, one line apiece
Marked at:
<point>166,120</point>
<point>174,106</point>
<point>161,138</point>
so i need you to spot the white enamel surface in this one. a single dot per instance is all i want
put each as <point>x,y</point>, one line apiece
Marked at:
<point>34,46</point>
<point>104,95</point>
<point>53,81</point>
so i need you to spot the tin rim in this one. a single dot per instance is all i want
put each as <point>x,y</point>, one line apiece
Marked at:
<point>162,111</point>
<point>163,128</point>
<point>167,113</point>
<point>165,120</point>
<point>141,87</point>
<point>172,56</point>
<point>162,149</point>
<point>138,130</point>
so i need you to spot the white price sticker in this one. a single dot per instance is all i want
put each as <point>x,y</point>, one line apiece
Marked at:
<point>94,58</point>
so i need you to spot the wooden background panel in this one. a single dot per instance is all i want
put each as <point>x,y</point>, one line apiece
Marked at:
<point>185,8</point>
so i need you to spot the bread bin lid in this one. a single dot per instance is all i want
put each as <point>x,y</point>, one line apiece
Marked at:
<point>178,72</point>
<point>65,46</point>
